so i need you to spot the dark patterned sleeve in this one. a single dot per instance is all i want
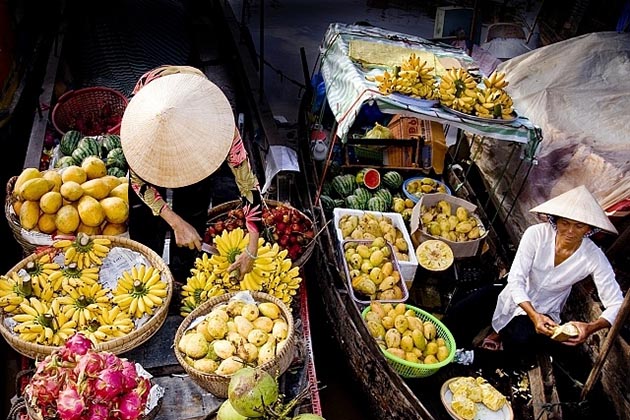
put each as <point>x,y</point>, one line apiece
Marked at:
<point>148,193</point>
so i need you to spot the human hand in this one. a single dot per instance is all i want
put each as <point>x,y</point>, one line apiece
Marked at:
<point>543,324</point>
<point>583,334</point>
<point>243,264</point>
<point>186,235</point>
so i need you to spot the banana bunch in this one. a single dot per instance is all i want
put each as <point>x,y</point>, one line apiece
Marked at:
<point>458,90</point>
<point>42,323</point>
<point>200,286</point>
<point>73,276</point>
<point>265,266</point>
<point>39,270</point>
<point>13,291</point>
<point>412,78</point>
<point>84,303</point>
<point>384,81</point>
<point>83,250</point>
<point>493,101</point>
<point>285,283</point>
<point>139,290</point>
<point>109,324</point>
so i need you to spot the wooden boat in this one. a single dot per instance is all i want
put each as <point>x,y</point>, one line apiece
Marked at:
<point>97,51</point>
<point>388,394</point>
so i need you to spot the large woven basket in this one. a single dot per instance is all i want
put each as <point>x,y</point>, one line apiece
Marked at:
<point>218,384</point>
<point>28,240</point>
<point>221,210</point>
<point>120,344</point>
<point>90,104</point>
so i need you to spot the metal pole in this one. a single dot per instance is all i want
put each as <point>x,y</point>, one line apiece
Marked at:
<point>261,48</point>
<point>608,342</point>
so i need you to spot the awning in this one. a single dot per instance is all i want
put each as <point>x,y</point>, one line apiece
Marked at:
<point>347,88</point>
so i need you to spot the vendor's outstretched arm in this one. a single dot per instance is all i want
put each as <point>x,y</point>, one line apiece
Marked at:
<point>543,324</point>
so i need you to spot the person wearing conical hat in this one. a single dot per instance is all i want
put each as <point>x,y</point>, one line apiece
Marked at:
<point>551,258</point>
<point>178,133</point>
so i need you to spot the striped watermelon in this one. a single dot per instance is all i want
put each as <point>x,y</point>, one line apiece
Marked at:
<point>392,180</point>
<point>69,142</point>
<point>376,204</point>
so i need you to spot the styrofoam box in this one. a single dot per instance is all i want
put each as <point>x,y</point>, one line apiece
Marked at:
<point>407,268</point>
<point>460,249</point>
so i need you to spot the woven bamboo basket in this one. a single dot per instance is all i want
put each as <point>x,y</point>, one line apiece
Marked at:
<point>120,344</point>
<point>28,240</point>
<point>221,210</point>
<point>218,384</point>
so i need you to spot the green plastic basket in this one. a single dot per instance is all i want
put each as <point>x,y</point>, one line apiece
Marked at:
<point>419,370</point>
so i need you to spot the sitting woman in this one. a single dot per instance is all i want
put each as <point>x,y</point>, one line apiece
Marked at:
<point>550,259</point>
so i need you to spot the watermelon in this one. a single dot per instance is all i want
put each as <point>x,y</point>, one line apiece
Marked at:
<point>376,204</point>
<point>328,204</point>
<point>372,179</point>
<point>362,194</point>
<point>116,158</point>
<point>339,202</point>
<point>384,194</point>
<point>392,180</point>
<point>353,202</point>
<point>110,141</point>
<point>65,161</point>
<point>343,185</point>
<point>117,172</point>
<point>69,142</point>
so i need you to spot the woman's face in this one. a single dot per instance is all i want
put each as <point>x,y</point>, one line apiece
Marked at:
<point>570,230</point>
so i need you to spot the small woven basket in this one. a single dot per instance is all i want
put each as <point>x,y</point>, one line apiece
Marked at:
<point>28,240</point>
<point>221,210</point>
<point>218,384</point>
<point>118,345</point>
<point>90,104</point>
<point>408,369</point>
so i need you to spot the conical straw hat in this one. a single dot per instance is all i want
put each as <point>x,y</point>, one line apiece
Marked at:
<point>577,204</point>
<point>177,130</point>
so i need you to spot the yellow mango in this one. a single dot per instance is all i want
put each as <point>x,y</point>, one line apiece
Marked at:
<point>71,190</point>
<point>46,223</point>
<point>114,229</point>
<point>90,211</point>
<point>96,188</point>
<point>29,214</point>
<point>94,167</point>
<point>67,219</point>
<point>54,177</point>
<point>25,175</point>
<point>33,189</point>
<point>111,181</point>
<point>116,209</point>
<point>74,173</point>
<point>50,202</point>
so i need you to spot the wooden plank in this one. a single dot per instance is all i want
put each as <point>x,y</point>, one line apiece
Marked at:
<point>185,400</point>
<point>537,389</point>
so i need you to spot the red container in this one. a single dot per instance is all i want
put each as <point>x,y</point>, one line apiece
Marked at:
<point>92,111</point>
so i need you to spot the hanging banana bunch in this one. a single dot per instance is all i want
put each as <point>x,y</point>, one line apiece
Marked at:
<point>494,101</point>
<point>84,250</point>
<point>458,90</point>
<point>199,287</point>
<point>84,303</point>
<point>264,266</point>
<point>412,77</point>
<point>285,280</point>
<point>140,290</point>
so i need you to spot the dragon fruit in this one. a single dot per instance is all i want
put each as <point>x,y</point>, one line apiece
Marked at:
<point>78,383</point>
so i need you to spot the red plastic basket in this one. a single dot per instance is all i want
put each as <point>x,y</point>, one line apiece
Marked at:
<point>92,111</point>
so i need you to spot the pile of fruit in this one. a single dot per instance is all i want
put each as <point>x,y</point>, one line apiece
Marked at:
<point>372,270</point>
<point>76,382</point>
<point>76,199</point>
<point>371,226</point>
<point>75,148</point>
<point>400,332</point>
<point>60,293</point>
<point>413,78</point>
<point>469,391</point>
<point>284,225</point>
<point>356,191</point>
<point>273,272</point>
<point>455,226</point>
<point>254,394</point>
<point>458,90</point>
<point>419,187</point>
<point>233,335</point>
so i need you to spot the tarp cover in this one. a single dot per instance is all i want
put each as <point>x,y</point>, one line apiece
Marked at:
<point>347,88</point>
<point>578,92</point>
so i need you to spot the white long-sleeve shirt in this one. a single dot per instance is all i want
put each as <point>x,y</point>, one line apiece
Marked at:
<point>534,278</point>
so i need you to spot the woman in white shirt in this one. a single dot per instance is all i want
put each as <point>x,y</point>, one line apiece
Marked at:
<point>550,259</point>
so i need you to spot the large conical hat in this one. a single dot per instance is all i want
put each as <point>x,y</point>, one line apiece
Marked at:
<point>177,130</point>
<point>577,204</point>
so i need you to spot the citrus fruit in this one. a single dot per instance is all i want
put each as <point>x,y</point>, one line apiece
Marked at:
<point>434,255</point>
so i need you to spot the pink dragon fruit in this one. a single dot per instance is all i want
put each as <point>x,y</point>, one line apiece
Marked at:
<point>70,405</point>
<point>98,412</point>
<point>130,406</point>
<point>77,345</point>
<point>130,375</point>
<point>108,384</point>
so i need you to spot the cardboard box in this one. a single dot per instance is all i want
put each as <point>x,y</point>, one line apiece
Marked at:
<point>418,235</point>
<point>407,268</point>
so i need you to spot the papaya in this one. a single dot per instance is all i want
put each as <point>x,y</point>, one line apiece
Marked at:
<point>96,188</point>
<point>74,173</point>
<point>90,211</point>
<point>54,177</point>
<point>71,190</point>
<point>116,209</point>
<point>25,175</point>
<point>121,191</point>
<point>114,229</point>
<point>34,188</point>
<point>46,223</point>
<point>67,219</point>
<point>111,181</point>
<point>50,202</point>
<point>90,230</point>
<point>29,214</point>
<point>94,167</point>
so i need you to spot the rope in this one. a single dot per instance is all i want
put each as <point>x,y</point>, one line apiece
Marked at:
<point>282,74</point>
